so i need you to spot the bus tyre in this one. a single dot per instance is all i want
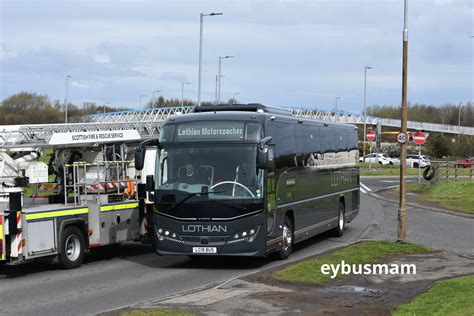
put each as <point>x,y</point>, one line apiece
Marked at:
<point>338,231</point>
<point>71,248</point>
<point>287,234</point>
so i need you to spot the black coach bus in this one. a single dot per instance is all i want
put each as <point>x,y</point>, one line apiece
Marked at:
<point>249,180</point>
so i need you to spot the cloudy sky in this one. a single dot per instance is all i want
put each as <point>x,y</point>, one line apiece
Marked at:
<point>287,53</point>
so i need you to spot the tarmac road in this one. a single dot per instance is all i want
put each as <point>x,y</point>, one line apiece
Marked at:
<point>130,274</point>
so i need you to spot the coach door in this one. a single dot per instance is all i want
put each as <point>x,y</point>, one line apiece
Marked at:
<point>270,187</point>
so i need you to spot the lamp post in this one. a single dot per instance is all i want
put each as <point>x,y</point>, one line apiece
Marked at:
<point>106,102</point>
<point>337,98</point>
<point>141,97</point>
<point>215,93</point>
<point>182,93</point>
<point>365,110</point>
<point>233,96</point>
<point>201,20</point>
<point>459,120</point>
<point>219,77</point>
<point>153,99</point>
<point>65,98</point>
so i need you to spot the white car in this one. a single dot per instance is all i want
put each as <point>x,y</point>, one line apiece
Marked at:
<point>383,159</point>
<point>412,161</point>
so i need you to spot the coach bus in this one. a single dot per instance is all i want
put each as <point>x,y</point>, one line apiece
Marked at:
<point>249,180</point>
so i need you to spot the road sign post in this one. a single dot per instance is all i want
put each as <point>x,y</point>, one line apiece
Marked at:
<point>420,139</point>
<point>419,164</point>
<point>402,210</point>
<point>371,136</point>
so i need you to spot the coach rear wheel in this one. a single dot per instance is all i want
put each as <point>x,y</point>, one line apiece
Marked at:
<point>71,248</point>
<point>341,221</point>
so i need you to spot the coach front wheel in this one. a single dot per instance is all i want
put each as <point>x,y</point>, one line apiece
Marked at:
<point>287,239</point>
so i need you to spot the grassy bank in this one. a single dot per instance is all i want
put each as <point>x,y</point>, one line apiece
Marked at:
<point>447,297</point>
<point>394,170</point>
<point>364,252</point>
<point>453,195</point>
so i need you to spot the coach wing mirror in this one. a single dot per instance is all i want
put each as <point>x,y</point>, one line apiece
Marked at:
<point>150,188</point>
<point>140,152</point>
<point>140,158</point>
<point>262,153</point>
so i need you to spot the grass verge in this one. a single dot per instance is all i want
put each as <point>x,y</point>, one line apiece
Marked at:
<point>446,297</point>
<point>360,253</point>
<point>156,312</point>
<point>453,195</point>
<point>393,171</point>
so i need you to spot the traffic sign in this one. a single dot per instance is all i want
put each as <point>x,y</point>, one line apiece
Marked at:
<point>370,135</point>
<point>419,138</point>
<point>402,138</point>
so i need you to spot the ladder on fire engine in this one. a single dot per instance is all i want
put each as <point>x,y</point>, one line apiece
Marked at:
<point>40,135</point>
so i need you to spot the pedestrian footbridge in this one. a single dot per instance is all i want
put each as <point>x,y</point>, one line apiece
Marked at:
<point>161,114</point>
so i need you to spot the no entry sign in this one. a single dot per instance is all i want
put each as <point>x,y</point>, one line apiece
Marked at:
<point>370,135</point>
<point>419,138</point>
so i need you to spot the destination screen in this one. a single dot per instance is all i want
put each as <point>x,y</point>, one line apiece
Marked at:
<point>205,130</point>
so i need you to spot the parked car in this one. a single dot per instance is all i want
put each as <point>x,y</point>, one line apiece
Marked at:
<point>384,159</point>
<point>412,161</point>
<point>465,163</point>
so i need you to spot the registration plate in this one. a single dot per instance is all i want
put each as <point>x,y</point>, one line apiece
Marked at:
<point>204,250</point>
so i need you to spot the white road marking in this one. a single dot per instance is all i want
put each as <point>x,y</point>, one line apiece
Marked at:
<point>363,191</point>
<point>365,187</point>
<point>390,181</point>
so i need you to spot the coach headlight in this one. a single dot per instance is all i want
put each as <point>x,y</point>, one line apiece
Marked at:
<point>167,234</point>
<point>245,235</point>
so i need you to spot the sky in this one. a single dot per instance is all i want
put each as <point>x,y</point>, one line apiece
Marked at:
<point>286,53</point>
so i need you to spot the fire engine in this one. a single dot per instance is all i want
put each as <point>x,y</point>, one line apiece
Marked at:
<point>86,195</point>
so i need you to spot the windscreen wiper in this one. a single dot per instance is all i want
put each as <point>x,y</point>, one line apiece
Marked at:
<point>190,195</point>
<point>243,208</point>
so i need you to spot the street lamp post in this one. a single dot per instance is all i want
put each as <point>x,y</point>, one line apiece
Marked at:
<point>65,99</point>
<point>201,20</point>
<point>459,120</point>
<point>219,77</point>
<point>233,96</point>
<point>142,96</point>
<point>107,102</point>
<point>182,93</point>
<point>153,99</point>
<point>337,98</point>
<point>365,110</point>
<point>215,93</point>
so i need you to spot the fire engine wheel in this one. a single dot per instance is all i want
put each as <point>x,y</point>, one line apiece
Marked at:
<point>71,248</point>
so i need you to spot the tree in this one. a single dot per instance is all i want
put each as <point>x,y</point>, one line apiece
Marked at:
<point>439,146</point>
<point>29,108</point>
